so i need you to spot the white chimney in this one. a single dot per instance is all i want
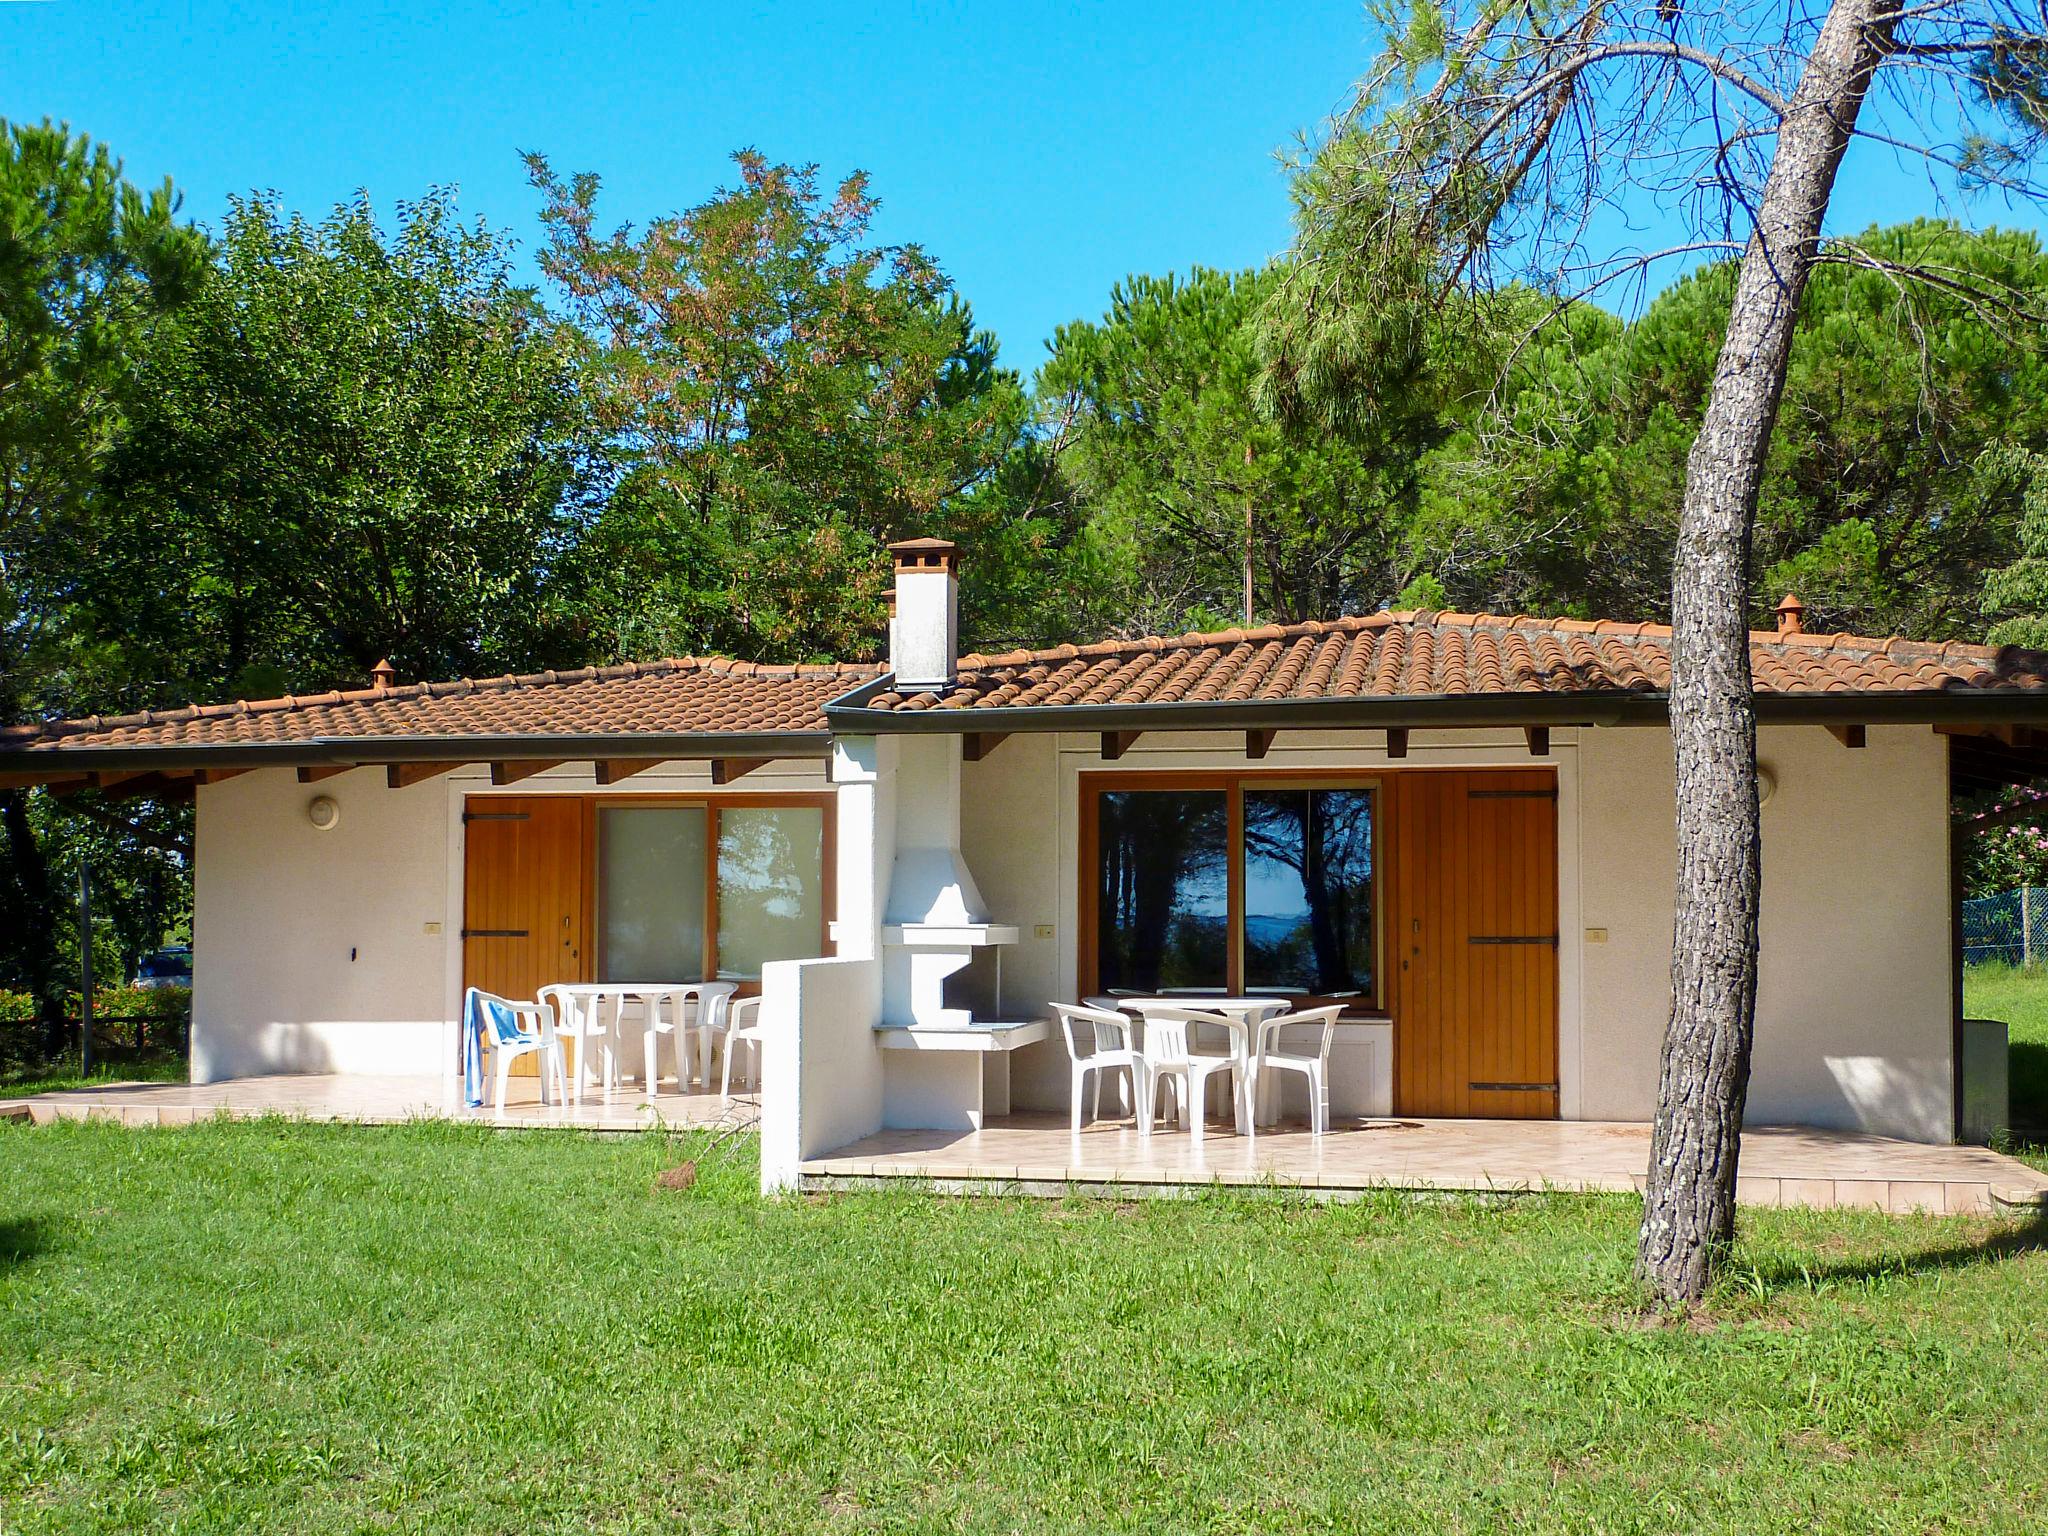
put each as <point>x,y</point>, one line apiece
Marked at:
<point>924,635</point>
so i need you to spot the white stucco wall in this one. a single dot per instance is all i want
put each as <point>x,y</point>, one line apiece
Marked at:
<point>340,951</point>
<point>312,951</point>
<point>1853,1004</point>
<point>1853,1000</point>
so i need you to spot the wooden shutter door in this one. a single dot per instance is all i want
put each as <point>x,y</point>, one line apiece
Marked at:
<point>522,895</point>
<point>1473,915</point>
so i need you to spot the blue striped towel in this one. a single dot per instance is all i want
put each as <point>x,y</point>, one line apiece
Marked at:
<point>479,1013</point>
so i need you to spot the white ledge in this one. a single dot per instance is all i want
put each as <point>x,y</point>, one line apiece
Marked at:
<point>948,935</point>
<point>976,1036</point>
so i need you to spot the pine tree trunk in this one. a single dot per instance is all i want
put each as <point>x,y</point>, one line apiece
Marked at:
<point>1689,1203</point>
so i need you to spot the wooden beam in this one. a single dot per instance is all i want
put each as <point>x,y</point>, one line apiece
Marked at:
<point>219,775</point>
<point>1538,737</point>
<point>56,783</point>
<point>107,779</point>
<point>2008,735</point>
<point>1847,735</point>
<point>512,773</point>
<point>1397,741</point>
<point>976,745</point>
<point>1257,743</point>
<point>50,778</point>
<point>153,786</point>
<point>1116,743</point>
<point>725,769</point>
<point>404,775</point>
<point>612,769</point>
<point>314,774</point>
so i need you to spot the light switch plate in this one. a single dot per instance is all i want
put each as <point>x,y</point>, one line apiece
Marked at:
<point>1596,935</point>
<point>1043,931</point>
<point>432,927</point>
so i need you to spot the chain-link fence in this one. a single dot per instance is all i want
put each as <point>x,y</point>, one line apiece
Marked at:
<point>2011,927</point>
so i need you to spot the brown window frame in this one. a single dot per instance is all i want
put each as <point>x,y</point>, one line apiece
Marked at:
<point>1232,783</point>
<point>712,803</point>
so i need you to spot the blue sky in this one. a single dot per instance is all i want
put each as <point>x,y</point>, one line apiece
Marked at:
<point>1039,152</point>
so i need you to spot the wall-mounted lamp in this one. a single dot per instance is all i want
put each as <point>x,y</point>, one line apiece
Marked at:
<point>1766,784</point>
<point>323,812</point>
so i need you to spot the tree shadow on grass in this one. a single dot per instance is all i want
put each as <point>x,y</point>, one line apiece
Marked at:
<point>22,1240</point>
<point>2007,1240</point>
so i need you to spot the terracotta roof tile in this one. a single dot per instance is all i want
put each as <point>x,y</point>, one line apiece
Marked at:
<point>692,696</point>
<point>1421,653</point>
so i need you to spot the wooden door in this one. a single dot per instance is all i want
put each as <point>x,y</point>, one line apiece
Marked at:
<point>522,895</point>
<point>1472,946</point>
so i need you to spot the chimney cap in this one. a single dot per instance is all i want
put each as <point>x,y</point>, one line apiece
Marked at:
<point>925,554</point>
<point>1791,615</point>
<point>383,675</point>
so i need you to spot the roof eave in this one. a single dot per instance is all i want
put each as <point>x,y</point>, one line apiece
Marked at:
<point>350,751</point>
<point>849,715</point>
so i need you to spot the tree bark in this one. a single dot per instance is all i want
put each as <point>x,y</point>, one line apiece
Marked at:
<point>1689,1202</point>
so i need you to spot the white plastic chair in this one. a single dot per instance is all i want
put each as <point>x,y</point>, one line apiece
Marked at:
<point>703,1028</point>
<point>1110,1050</point>
<point>1315,1068</point>
<point>578,1018</point>
<point>533,1034</point>
<point>743,1028</point>
<point>1168,1054</point>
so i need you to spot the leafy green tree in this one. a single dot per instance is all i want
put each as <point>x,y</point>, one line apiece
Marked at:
<point>89,266</point>
<point>349,446</point>
<point>1877,504</point>
<point>792,398</point>
<point>2017,594</point>
<point>1186,476</point>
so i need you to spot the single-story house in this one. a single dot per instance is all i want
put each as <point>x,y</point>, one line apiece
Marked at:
<point>1457,826</point>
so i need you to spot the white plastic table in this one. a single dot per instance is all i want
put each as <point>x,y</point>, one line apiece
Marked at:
<point>650,995</point>
<point>1249,1012</point>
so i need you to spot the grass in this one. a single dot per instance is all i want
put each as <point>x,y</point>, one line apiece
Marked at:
<point>264,1326</point>
<point>20,1079</point>
<point>2020,998</point>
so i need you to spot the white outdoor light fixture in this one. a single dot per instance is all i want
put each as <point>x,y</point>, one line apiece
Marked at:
<point>323,812</point>
<point>1766,784</point>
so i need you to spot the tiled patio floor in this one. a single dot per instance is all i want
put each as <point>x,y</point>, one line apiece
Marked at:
<point>1037,1154</point>
<point>374,1101</point>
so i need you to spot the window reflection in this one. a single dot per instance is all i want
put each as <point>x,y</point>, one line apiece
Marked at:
<point>1308,891</point>
<point>771,887</point>
<point>1163,915</point>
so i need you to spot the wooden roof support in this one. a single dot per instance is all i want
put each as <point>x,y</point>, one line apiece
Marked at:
<point>725,769</point>
<point>1847,735</point>
<point>612,769</point>
<point>404,775</point>
<point>976,745</point>
<point>218,775</point>
<point>51,783</point>
<point>153,786</point>
<point>1397,741</point>
<point>108,779</point>
<point>1116,743</point>
<point>313,773</point>
<point>1258,743</point>
<point>512,773</point>
<point>1538,737</point>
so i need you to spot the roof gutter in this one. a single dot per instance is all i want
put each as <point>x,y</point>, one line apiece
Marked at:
<point>353,751</point>
<point>850,716</point>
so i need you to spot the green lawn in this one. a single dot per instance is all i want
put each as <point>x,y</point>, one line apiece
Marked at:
<point>2020,998</point>
<point>20,1079</point>
<point>262,1326</point>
